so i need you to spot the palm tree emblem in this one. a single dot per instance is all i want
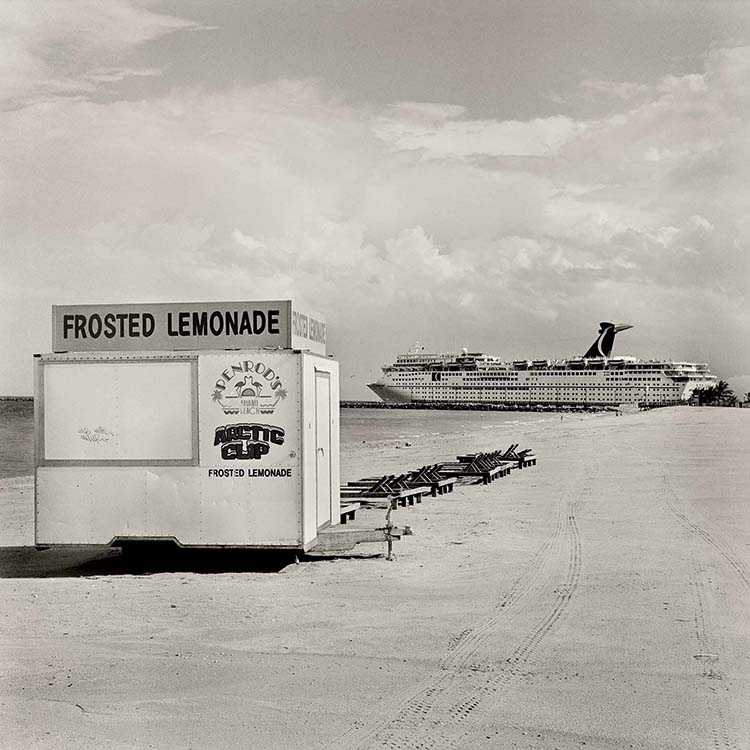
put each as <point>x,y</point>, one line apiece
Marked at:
<point>249,388</point>
<point>237,397</point>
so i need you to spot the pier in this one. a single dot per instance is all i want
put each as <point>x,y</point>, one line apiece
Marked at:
<point>478,406</point>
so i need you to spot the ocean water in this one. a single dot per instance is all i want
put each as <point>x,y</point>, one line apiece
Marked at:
<point>357,426</point>
<point>374,425</point>
<point>16,438</point>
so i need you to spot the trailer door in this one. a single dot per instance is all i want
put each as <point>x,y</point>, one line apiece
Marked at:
<point>323,447</point>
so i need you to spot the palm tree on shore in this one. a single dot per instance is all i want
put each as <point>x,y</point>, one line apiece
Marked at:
<point>705,396</point>
<point>724,394</point>
<point>723,391</point>
<point>720,395</point>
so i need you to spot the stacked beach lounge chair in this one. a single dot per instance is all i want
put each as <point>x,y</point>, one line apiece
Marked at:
<point>389,490</point>
<point>521,459</point>
<point>481,466</point>
<point>398,490</point>
<point>487,467</point>
<point>392,490</point>
<point>430,476</point>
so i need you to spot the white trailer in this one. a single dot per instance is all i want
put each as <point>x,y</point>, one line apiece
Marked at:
<point>222,447</point>
<point>205,448</point>
<point>206,424</point>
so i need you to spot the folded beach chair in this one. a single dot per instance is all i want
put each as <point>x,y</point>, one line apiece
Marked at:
<point>429,476</point>
<point>404,482</point>
<point>348,511</point>
<point>387,487</point>
<point>474,468</point>
<point>522,458</point>
<point>489,460</point>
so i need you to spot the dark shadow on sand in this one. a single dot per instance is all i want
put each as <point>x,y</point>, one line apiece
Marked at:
<point>79,562</point>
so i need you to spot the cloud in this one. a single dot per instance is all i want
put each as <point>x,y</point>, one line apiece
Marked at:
<point>414,222</point>
<point>451,138</point>
<point>624,90</point>
<point>428,112</point>
<point>50,48</point>
<point>114,75</point>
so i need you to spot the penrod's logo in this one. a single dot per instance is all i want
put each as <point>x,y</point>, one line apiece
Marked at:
<point>247,441</point>
<point>248,387</point>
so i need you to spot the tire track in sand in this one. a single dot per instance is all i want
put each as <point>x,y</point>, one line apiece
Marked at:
<point>435,716</point>
<point>525,650</point>
<point>705,633</point>
<point>736,563</point>
<point>709,657</point>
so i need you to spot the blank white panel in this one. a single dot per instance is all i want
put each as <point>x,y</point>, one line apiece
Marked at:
<point>119,411</point>
<point>93,505</point>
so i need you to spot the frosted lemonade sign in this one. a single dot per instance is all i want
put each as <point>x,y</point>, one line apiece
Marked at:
<point>186,326</point>
<point>248,401</point>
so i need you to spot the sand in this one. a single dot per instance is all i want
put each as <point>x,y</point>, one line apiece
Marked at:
<point>600,599</point>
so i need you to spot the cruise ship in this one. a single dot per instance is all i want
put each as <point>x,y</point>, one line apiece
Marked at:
<point>596,379</point>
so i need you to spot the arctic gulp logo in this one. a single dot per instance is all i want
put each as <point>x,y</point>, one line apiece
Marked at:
<point>248,387</point>
<point>247,441</point>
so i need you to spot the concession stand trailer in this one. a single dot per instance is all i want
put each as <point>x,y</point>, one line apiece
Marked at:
<point>208,424</point>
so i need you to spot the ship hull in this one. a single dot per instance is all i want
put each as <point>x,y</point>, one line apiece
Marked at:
<point>577,389</point>
<point>390,394</point>
<point>393,395</point>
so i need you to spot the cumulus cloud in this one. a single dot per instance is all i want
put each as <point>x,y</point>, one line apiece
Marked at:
<point>414,222</point>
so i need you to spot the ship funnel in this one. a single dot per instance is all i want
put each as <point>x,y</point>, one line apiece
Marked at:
<point>602,347</point>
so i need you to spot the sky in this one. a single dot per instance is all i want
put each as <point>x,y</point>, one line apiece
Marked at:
<point>497,175</point>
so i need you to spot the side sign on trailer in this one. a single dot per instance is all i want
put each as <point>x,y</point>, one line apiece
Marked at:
<point>250,418</point>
